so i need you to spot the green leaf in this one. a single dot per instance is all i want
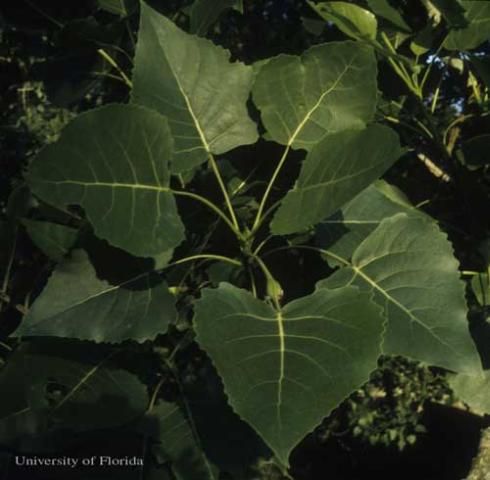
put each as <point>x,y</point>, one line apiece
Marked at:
<point>123,8</point>
<point>54,240</point>
<point>330,88</point>
<point>83,396</point>
<point>113,161</point>
<point>452,11</point>
<point>482,66</point>
<point>204,14</point>
<point>383,8</point>
<point>178,442</point>
<point>480,284</point>
<point>477,31</point>
<point>354,21</point>
<point>283,371</point>
<point>193,83</point>
<point>77,304</point>
<point>335,170</point>
<point>409,266</point>
<point>344,231</point>
<point>474,390</point>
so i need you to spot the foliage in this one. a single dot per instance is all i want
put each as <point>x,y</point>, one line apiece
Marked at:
<point>215,236</point>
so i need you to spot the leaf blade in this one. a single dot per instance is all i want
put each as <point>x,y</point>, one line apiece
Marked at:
<point>269,360</point>
<point>181,76</point>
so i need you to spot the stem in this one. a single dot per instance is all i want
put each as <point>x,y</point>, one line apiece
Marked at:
<point>258,218</point>
<point>217,174</point>
<point>204,256</point>
<point>213,207</point>
<point>112,62</point>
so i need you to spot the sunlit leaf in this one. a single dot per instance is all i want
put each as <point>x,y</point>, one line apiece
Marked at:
<point>408,264</point>
<point>344,231</point>
<point>334,171</point>
<point>283,371</point>
<point>192,82</point>
<point>113,161</point>
<point>474,390</point>
<point>330,88</point>
<point>354,21</point>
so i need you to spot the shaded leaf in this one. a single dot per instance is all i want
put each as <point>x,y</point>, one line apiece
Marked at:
<point>330,88</point>
<point>283,371</point>
<point>480,284</point>
<point>193,83</point>
<point>204,13</point>
<point>384,9</point>
<point>344,231</point>
<point>83,396</point>
<point>409,266</point>
<point>477,31</point>
<point>178,443</point>
<point>482,66</point>
<point>452,11</point>
<point>77,304</point>
<point>54,240</point>
<point>113,161</point>
<point>354,21</point>
<point>335,170</point>
<point>123,8</point>
<point>474,390</point>
<point>476,151</point>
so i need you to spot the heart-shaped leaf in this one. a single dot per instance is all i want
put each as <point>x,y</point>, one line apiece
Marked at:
<point>113,161</point>
<point>76,304</point>
<point>328,89</point>
<point>409,265</point>
<point>285,370</point>
<point>192,82</point>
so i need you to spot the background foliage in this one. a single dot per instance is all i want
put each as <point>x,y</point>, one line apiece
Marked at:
<point>60,60</point>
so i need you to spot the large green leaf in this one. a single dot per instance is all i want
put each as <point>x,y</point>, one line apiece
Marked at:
<point>193,83</point>
<point>53,239</point>
<point>77,304</point>
<point>409,265</point>
<point>330,88</point>
<point>354,21</point>
<point>178,442</point>
<point>335,170</point>
<point>83,396</point>
<point>478,29</point>
<point>384,9</point>
<point>344,231</point>
<point>283,371</point>
<point>474,390</point>
<point>113,161</point>
<point>482,66</point>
